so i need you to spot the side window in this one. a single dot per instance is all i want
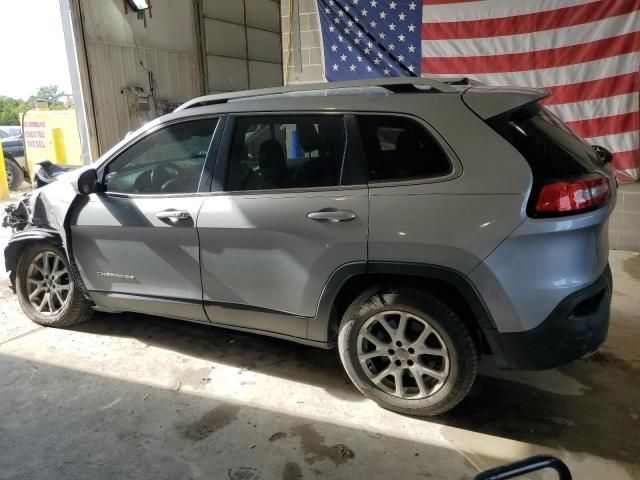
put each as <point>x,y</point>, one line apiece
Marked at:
<point>397,148</point>
<point>293,151</point>
<point>167,161</point>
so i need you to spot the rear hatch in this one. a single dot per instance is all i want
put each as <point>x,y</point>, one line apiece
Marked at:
<point>562,245</point>
<point>569,176</point>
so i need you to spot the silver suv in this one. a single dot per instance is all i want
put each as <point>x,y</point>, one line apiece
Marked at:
<point>417,225</point>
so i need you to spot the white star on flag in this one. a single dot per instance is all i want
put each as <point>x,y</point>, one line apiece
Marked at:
<point>381,48</point>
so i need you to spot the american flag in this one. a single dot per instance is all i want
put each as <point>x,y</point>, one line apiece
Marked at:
<point>585,52</point>
<point>370,38</point>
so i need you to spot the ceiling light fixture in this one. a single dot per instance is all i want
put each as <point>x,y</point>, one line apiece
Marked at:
<point>139,5</point>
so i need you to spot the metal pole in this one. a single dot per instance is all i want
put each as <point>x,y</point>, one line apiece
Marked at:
<point>80,78</point>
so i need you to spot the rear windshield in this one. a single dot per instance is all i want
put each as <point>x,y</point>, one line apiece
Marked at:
<point>551,148</point>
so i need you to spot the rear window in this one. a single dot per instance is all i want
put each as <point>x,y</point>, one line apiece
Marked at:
<point>551,148</point>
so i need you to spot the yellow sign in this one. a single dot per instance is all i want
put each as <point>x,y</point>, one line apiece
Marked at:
<point>52,135</point>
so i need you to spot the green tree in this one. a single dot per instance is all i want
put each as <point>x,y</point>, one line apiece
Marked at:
<point>50,93</point>
<point>11,108</point>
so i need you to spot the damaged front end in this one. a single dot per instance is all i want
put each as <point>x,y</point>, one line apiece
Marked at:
<point>18,215</point>
<point>41,215</point>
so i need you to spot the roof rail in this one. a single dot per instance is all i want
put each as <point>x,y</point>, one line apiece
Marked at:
<point>396,85</point>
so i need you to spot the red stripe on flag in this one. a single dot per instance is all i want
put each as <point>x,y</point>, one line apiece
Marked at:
<point>593,89</point>
<point>514,62</point>
<point>531,22</point>
<point>445,2</point>
<point>612,125</point>
<point>627,160</point>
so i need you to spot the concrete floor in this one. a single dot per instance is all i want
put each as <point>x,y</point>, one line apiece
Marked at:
<point>129,396</point>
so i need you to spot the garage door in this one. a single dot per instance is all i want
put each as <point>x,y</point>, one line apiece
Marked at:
<point>241,44</point>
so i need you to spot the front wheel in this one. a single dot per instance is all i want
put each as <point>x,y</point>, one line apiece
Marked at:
<point>407,350</point>
<point>15,176</point>
<point>46,290</point>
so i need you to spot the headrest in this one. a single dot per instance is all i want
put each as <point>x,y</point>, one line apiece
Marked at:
<point>271,154</point>
<point>307,135</point>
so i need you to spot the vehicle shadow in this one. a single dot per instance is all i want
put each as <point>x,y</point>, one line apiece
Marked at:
<point>587,406</point>
<point>262,354</point>
<point>113,428</point>
<point>514,405</point>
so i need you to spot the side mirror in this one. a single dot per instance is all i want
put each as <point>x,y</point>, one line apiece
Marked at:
<point>605,155</point>
<point>87,182</point>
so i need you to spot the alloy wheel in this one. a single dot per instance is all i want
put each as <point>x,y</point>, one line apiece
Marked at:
<point>48,283</point>
<point>403,355</point>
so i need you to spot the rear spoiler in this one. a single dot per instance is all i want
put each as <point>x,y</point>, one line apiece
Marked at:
<point>487,102</point>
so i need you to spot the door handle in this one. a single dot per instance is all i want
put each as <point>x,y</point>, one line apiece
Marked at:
<point>173,215</point>
<point>332,215</point>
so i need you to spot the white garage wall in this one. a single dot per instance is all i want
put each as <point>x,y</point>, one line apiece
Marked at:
<point>167,47</point>
<point>242,44</point>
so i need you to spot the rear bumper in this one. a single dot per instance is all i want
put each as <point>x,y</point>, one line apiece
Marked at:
<point>576,327</point>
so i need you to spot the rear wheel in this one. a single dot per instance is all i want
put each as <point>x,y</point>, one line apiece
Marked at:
<point>46,290</point>
<point>15,176</point>
<point>407,350</point>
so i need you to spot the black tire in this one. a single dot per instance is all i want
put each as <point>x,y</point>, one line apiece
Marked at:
<point>15,175</point>
<point>452,332</point>
<point>75,309</point>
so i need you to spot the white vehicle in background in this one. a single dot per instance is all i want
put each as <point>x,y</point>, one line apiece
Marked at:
<point>10,131</point>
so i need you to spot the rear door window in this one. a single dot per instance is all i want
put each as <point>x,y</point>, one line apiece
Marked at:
<point>282,152</point>
<point>400,148</point>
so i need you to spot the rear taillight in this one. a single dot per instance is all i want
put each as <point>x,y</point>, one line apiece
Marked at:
<point>574,196</point>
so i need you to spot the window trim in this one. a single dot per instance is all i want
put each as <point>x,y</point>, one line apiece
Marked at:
<point>222,164</point>
<point>207,169</point>
<point>456,165</point>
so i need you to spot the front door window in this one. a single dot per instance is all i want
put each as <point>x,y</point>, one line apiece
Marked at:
<point>169,160</point>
